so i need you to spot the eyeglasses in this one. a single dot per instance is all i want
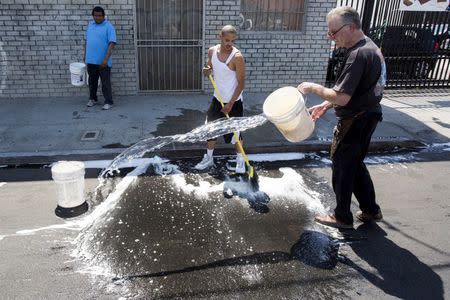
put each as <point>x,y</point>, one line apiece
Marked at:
<point>333,34</point>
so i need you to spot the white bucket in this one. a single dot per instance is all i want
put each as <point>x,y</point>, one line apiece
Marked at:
<point>69,179</point>
<point>285,108</point>
<point>77,73</point>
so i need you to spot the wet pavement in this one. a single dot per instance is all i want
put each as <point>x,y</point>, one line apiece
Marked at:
<point>177,236</point>
<point>171,233</point>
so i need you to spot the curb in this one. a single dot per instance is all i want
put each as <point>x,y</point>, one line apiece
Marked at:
<point>181,151</point>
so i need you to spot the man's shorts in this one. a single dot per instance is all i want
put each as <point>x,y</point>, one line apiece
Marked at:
<point>215,113</point>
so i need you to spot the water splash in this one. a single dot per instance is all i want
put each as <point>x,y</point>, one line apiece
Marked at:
<point>201,133</point>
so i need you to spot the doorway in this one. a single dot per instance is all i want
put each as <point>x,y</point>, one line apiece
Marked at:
<point>169,40</point>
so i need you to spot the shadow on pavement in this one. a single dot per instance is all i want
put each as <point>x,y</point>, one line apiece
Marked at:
<point>398,272</point>
<point>254,259</point>
<point>313,248</point>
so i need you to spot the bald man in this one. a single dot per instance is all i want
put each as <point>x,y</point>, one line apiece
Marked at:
<point>227,65</point>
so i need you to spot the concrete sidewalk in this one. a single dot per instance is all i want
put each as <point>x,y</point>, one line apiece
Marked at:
<point>46,130</point>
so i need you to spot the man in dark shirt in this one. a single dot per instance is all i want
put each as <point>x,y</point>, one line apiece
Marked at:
<point>356,100</point>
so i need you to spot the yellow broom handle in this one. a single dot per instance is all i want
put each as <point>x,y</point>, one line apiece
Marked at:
<point>234,133</point>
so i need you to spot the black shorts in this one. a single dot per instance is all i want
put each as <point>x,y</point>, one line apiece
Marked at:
<point>215,113</point>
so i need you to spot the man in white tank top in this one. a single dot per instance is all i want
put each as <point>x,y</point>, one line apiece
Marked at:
<point>227,65</point>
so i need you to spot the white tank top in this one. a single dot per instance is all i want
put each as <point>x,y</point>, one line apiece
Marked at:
<point>225,78</point>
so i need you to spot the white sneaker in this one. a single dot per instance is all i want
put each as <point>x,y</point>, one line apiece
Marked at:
<point>206,162</point>
<point>107,106</point>
<point>91,103</point>
<point>240,166</point>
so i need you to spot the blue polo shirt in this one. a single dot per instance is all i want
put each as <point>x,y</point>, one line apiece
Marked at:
<point>98,37</point>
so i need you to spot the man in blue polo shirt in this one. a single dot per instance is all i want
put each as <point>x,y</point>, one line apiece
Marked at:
<point>100,41</point>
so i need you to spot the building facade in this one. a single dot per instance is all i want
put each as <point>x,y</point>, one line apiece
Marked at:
<point>162,44</point>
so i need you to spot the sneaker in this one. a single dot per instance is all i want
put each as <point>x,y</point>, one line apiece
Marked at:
<point>240,166</point>
<point>106,106</point>
<point>91,103</point>
<point>206,162</point>
<point>365,217</point>
<point>330,220</point>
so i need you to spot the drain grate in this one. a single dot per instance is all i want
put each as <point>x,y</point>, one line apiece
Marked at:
<point>91,135</point>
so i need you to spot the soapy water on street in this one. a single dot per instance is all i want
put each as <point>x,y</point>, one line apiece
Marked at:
<point>184,215</point>
<point>114,244</point>
<point>161,208</point>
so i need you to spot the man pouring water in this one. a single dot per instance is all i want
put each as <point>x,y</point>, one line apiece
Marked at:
<point>226,64</point>
<point>356,100</point>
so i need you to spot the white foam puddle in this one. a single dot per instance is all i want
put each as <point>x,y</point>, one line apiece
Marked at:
<point>201,191</point>
<point>291,187</point>
<point>2,184</point>
<point>276,156</point>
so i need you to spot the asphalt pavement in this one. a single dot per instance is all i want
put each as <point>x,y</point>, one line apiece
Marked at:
<point>177,237</point>
<point>43,130</point>
<point>233,250</point>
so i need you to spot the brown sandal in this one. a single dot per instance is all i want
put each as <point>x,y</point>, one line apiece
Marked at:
<point>330,220</point>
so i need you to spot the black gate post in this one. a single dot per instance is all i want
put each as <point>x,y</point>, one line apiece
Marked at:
<point>367,15</point>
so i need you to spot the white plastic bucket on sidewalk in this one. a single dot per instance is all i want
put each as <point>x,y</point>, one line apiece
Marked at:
<point>77,73</point>
<point>285,108</point>
<point>69,179</point>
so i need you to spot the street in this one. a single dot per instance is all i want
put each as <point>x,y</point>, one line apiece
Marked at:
<point>171,233</point>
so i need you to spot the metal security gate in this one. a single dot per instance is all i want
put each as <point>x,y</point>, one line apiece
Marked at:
<point>416,45</point>
<point>169,41</point>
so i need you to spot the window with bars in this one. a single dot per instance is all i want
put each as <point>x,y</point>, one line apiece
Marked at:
<point>270,15</point>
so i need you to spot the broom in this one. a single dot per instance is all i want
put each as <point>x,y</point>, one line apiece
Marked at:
<point>253,177</point>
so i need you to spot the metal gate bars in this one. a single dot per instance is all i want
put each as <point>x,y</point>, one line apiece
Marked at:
<point>415,44</point>
<point>169,41</point>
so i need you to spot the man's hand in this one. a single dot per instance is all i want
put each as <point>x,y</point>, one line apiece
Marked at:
<point>207,70</point>
<point>104,64</point>
<point>306,87</point>
<point>227,108</point>
<point>318,111</point>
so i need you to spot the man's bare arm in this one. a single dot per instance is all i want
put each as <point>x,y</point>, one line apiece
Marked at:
<point>208,68</point>
<point>327,94</point>
<point>108,53</point>
<point>240,75</point>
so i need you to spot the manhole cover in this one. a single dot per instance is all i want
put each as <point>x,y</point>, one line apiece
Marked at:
<point>91,135</point>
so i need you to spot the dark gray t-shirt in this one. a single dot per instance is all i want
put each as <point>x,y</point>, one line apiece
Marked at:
<point>360,78</point>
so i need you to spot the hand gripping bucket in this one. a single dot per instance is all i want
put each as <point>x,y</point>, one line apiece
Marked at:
<point>69,179</point>
<point>285,108</point>
<point>77,73</point>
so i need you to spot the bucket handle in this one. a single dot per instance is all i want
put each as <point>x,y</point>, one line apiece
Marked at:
<point>305,96</point>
